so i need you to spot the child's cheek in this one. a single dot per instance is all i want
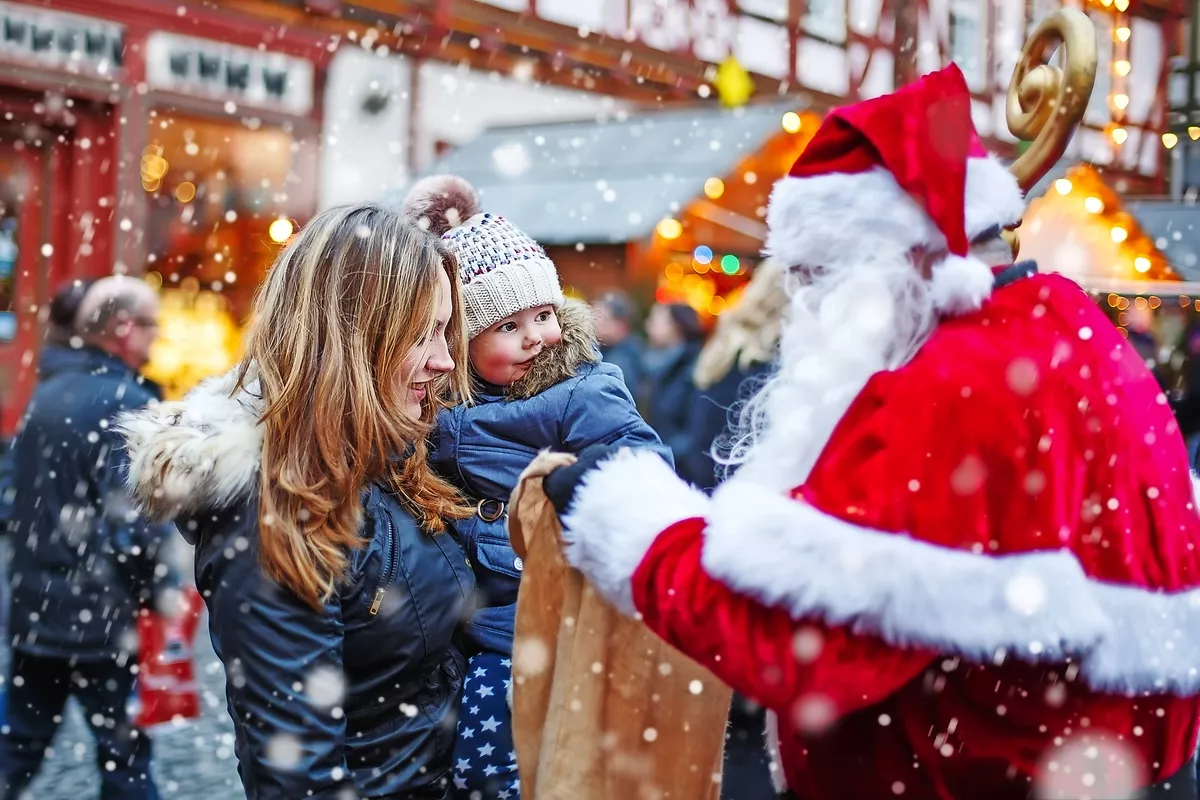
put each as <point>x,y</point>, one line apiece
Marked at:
<point>491,360</point>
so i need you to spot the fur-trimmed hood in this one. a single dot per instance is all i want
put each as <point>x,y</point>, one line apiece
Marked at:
<point>556,364</point>
<point>196,454</point>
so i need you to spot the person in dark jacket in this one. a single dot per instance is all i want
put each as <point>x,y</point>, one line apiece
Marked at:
<point>55,354</point>
<point>666,396</point>
<point>83,559</point>
<point>1186,399</point>
<point>619,344</point>
<point>334,595</point>
<point>539,386</point>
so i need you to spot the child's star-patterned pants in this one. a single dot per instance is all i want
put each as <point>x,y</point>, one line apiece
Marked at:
<point>485,760</point>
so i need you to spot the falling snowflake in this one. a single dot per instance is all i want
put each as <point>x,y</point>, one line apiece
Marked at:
<point>1089,766</point>
<point>1025,593</point>
<point>325,687</point>
<point>512,159</point>
<point>284,751</point>
<point>813,712</point>
<point>530,656</point>
<point>1022,376</point>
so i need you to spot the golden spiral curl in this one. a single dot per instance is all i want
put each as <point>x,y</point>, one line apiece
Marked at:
<point>1045,102</point>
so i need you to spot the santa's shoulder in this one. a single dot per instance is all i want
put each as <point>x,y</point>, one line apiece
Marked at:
<point>1038,338</point>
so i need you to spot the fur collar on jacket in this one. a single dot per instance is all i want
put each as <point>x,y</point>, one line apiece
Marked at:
<point>197,454</point>
<point>557,364</point>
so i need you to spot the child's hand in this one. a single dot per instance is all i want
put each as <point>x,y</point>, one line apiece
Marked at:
<point>560,485</point>
<point>546,462</point>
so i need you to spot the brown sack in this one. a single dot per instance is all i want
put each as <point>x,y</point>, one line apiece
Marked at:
<point>602,708</point>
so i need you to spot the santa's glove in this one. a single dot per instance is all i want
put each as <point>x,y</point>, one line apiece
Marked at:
<point>561,484</point>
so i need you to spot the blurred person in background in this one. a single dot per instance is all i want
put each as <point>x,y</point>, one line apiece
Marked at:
<point>732,365</point>
<point>1186,394</point>
<point>56,354</point>
<point>619,344</point>
<point>666,393</point>
<point>83,560</point>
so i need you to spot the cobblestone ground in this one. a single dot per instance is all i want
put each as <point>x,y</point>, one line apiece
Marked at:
<point>191,762</point>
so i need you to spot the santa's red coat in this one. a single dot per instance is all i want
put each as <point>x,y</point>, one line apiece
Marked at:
<point>990,575</point>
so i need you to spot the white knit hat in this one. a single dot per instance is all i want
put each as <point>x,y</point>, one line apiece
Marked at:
<point>502,270</point>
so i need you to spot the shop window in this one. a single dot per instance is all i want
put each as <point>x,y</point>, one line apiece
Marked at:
<point>12,179</point>
<point>217,192</point>
<point>967,25</point>
<point>774,10</point>
<point>8,277</point>
<point>826,19</point>
<point>1098,112</point>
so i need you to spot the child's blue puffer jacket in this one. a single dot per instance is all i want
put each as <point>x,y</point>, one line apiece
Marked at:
<point>569,400</point>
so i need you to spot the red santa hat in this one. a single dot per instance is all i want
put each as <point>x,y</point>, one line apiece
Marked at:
<point>900,171</point>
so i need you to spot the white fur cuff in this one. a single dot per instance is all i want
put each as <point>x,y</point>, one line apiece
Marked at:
<point>621,508</point>
<point>1036,607</point>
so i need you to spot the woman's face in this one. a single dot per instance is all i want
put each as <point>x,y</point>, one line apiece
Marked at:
<point>660,328</point>
<point>431,357</point>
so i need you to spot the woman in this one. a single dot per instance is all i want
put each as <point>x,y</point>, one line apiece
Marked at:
<point>674,335</point>
<point>333,592</point>
<point>732,366</point>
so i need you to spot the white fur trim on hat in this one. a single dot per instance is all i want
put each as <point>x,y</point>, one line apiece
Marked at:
<point>833,220</point>
<point>960,285</point>
<point>992,198</point>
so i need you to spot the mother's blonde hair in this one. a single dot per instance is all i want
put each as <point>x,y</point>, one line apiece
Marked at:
<point>342,307</point>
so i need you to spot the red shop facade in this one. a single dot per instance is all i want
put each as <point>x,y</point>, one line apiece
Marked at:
<point>146,138</point>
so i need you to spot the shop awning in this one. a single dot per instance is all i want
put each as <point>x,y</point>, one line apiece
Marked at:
<point>609,181</point>
<point>1175,227</point>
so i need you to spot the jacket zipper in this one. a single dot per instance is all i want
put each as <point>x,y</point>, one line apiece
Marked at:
<point>390,564</point>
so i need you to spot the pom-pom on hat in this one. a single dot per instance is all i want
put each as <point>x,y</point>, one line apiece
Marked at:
<point>502,271</point>
<point>903,170</point>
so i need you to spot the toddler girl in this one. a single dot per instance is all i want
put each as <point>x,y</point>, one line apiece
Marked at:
<point>539,383</point>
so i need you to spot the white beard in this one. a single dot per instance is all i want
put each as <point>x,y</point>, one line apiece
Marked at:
<point>839,330</point>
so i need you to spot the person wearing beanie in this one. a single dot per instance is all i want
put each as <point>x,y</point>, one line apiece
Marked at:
<point>539,384</point>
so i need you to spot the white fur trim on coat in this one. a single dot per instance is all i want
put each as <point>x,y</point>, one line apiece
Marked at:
<point>1037,607</point>
<point>774,757</point>
<point>841,218</point>
<point>620,508</point>
<point>201,452</point>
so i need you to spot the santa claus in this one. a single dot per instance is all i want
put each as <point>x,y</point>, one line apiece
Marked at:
<point>959,556</point>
